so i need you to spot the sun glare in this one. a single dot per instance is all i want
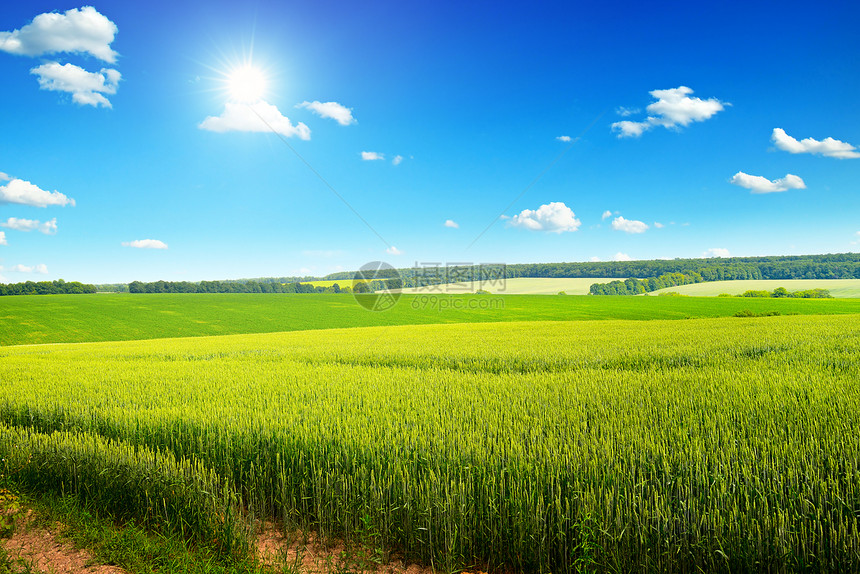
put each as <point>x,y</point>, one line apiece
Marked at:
<point>246,84</point>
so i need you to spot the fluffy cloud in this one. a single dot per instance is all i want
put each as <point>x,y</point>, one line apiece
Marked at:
<point>828,147</point>
<point>48,227</point>
<point>333,110</point>
<point>397,160</point>
<point>452,224</point>
<point>563,138</point>
<point>759,184</point>
<point>4,177</point>
<point>553,217</point>
<point>716,252</point>
<point>25,193</point>
<point>393,251</point>
<point>3,238</point>
<point>372,156</point>
<point>260,116</point>
<point>145,244</point>
<point>83,31</point>
<point>674,107</point>
<point>621,257</point>
<point>606,214</point>
<point>626,112</point>
<point>41,268</point>
<point>629,225</point>
<point>658,225</point>
<point>87,88</point>
<point>594,259</point>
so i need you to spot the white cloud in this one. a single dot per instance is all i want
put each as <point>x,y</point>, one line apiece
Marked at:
<point>674,107</point>
<point>372,156</point>
<point>563,138</point>
<point>393,251</point>
<point>621,257</point>
<point>716,252</point>
<point>828,147</point>
<point>452,224</point>
<point>606,214</point>
<point>87,88</point>
<point>145,244</point>
<point>759,184</point>
<point>397,159</point>
<point>260,116</point>
<point>553,217</point>
<point>25,193</point>
<point>333,110</point>
<point>41,268</point>
<point>658,225</point>
<point>48,227</point>
<point>629,225</point>
<point>594,259</point>
<point>83,31</point>
<point>4,177</point>
<point>626,112</point>
<point>3,238</point>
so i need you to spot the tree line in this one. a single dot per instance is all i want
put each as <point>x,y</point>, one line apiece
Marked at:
<point>58,287</point>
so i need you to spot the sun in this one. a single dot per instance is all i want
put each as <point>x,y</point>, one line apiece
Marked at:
<point>246,84</point>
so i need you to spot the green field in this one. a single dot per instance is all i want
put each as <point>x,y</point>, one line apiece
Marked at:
<point>837,287</point>
<point>519,286</point>
<point>727,444</point>
<point>115,317</point>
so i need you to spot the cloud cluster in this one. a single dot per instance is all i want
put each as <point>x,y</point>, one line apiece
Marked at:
<point>372,156</point>
<point>76,31</point>
<point>41,268</point>
<point>716,252</point>
<point>629,225</point>
<point>452,224</point>
<point>674,107</point>
<point>553,217</point>
<point>827,147</point>
<point>621,257</point>
<point>393,251</point>
<point>3,238</point>
<point>87,88</point>
<point>563,138</point>
<point>25,193</point>
<point>145,244</point>
<point>759,184</point>
<point>260,116</point>
<point>48,227</point>
<point>332,110</point>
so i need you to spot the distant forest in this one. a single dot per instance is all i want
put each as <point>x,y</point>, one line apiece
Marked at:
<point>635,276</point>
<point>58,287</point>
<point>830,266</point>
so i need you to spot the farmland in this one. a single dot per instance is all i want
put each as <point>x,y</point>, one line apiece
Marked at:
<point>836,287</point>
<point>663,445</point>
<point>115,317</point>
<point>520,286</point>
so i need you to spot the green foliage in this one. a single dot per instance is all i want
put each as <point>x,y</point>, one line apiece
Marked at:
<point>711,445</point>
<point>639,286</point>
<point>748,313</point>
<point>58,287</point>
<point>755,293</point>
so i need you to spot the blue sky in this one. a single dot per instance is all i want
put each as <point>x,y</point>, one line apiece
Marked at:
<point>692,131</point>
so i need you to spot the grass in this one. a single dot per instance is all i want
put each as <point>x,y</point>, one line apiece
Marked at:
<point>842,288</point>
<point>724,444</point>
<point>121,317</point>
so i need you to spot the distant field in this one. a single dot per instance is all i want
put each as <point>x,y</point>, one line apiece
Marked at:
<point>837,287</point>
<point>520,286</point>
<point>122,317</point>
<point>329,283</point>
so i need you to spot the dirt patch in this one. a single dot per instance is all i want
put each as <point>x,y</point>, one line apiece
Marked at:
<point>44,551</point>
<point>304,553</point>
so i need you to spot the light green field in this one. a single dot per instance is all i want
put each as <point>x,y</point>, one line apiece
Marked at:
<point>329,283</point>
<point>843,288</point>
<point>519,286</point>
<point>706,445</point>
